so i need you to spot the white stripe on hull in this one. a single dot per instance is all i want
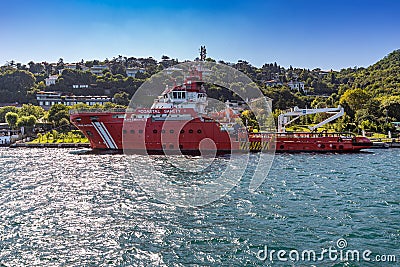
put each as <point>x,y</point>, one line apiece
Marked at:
<point>114,145</point>
<point>100,130</point>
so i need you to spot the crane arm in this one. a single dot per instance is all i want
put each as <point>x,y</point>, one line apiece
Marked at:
<point>284,119</point>
<point>334,117</point>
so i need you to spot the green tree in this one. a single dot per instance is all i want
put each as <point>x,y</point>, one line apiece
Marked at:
<point>391,107</point>
<point>57,112</point>
<point>354,99</point>
<point>29,109</point>
<point>121,98</point>
<point>11,119</point>
<point>118,68</point>
<point>5,110</point>
<point>70,77</point>
<point>35,67</point>
<point>249,119</point>
<point>15,85</point>
<point>26,121</point>
<point>64,122</point>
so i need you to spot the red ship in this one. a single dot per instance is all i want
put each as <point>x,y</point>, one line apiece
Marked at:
<point>177,122</point>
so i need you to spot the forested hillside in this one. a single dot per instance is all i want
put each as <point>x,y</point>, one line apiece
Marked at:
<point>371,96</point>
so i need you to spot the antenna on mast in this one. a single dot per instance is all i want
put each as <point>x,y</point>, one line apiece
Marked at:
<point>203,53</point>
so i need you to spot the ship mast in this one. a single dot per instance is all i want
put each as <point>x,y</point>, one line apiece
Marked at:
<point>203,53</point>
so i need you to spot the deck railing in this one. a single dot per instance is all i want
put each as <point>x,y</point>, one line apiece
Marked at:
<point>305,134</point>
<point>97,110</point>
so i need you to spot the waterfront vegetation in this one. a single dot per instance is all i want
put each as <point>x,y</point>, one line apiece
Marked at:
<point>370,96</point>
<point>74,136</point>
<point>30,115</point>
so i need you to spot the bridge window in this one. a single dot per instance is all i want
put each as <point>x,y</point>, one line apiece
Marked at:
<point>178,95</point>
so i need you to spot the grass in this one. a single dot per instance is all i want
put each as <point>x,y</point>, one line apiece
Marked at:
<point>378,135</point>
<point>60,138</point>
<point>302,128</point>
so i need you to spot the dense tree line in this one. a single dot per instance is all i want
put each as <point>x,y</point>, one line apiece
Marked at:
<point>371,96</point>
<point>16,85</point>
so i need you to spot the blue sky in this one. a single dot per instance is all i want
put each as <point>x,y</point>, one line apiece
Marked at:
<point>302,33</point>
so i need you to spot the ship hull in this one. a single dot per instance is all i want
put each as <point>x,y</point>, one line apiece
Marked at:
<point>110,131</point>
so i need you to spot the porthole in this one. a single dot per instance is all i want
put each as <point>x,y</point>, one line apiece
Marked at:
<point>155,131</point>
<point>190,131</point>
<point>132,131</point>
<point>162,131</point>
<point>199,131</point>
<point>140,131</point>
<point>124,131</point>
<point>171,131</point>
<point>182,131</point>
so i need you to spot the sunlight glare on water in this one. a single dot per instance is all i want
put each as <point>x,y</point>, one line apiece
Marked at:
<point>62,208</point>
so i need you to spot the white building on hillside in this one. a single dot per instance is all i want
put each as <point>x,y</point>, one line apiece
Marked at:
<point>98,69</point>
<point>48,99</point>
<point>273,82</point>
<point>296,85</point>
<point>51,80</point>
<point>131,72</point>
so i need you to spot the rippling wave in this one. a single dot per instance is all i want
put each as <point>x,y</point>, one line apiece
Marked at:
<point>60,208</point>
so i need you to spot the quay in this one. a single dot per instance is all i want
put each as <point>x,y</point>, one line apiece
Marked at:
<point>385,143</point>
<point>50,145</point>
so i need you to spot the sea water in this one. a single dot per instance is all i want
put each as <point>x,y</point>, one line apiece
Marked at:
<point>63,208</point>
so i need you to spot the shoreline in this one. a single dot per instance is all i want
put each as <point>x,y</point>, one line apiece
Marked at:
<point>50,145</point>
<point>376,145</point>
